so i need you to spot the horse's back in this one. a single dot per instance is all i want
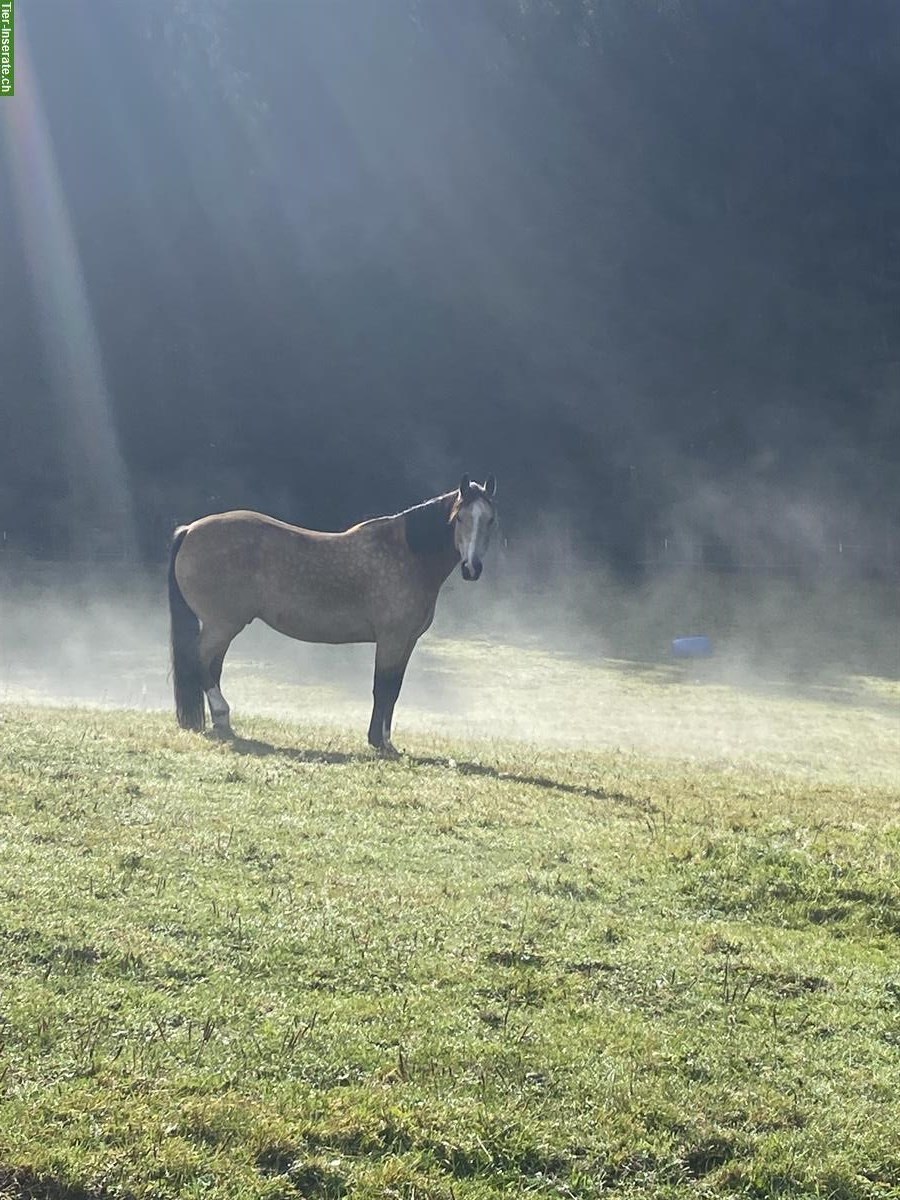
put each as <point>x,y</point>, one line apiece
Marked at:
<point>244,521</point>
<point>245,539</point>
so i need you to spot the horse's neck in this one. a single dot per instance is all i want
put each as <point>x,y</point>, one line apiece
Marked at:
<point>429,533</point>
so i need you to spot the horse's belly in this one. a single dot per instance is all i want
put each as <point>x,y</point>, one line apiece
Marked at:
<point>332,626</point>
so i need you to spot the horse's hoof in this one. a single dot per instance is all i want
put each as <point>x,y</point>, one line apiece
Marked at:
<point>220,734</point>
<point>387,750</point>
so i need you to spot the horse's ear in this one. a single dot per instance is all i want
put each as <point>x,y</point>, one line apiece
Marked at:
<point>465,486</point>
<point>490,486</point>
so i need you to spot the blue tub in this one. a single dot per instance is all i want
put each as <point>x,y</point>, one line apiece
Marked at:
<point>698,646</point>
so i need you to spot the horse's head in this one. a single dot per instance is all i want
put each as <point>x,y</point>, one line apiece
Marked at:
<point>474,518</point>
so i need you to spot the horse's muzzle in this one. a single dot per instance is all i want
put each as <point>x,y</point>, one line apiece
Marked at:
<point>471,570</point>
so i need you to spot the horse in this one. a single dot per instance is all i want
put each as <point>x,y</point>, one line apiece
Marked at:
<point>377,581</point>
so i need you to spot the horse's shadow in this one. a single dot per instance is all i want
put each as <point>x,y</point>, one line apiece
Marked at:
<point>259,749</point>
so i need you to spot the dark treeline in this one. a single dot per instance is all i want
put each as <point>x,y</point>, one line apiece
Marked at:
<point>641,258</point>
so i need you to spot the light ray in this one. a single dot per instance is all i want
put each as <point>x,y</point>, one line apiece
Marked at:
<point>101,510</point>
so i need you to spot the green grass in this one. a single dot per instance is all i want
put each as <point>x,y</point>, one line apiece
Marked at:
<point>285,969</point>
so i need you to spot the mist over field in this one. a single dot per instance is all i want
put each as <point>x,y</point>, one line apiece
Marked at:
<point>585,663</point>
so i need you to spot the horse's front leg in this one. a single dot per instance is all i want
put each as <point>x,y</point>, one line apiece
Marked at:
<point>390,666</point>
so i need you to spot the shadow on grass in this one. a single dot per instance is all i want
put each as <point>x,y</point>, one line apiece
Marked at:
<point>254,747</point>
<point>24,1184</point>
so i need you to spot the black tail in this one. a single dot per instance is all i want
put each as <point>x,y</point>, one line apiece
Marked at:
<point>186,672</point>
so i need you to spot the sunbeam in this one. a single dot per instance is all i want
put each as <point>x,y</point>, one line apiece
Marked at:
<point>101,508</point>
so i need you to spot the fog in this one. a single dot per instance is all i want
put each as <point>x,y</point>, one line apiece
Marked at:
<point>539,653</point>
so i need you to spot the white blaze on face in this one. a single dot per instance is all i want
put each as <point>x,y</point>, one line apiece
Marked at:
<point>476,527</point>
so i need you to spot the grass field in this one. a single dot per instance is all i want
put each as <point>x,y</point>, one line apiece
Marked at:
<point>282,968</point>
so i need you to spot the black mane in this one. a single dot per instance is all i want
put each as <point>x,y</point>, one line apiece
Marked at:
<point>428,527</point>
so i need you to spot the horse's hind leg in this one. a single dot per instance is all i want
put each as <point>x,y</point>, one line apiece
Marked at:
<point>214,643</point>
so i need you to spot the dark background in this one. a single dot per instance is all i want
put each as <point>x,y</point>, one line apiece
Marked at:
<point>640,258</point>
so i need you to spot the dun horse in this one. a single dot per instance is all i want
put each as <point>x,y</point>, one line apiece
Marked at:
<point>376,582</point>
